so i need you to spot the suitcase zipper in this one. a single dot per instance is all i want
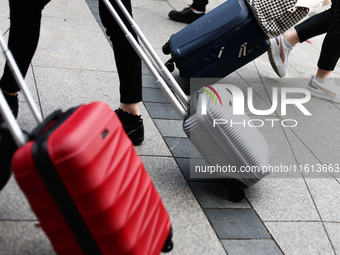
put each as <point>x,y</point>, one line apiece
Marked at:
<point>220,54</point>
<point>243,50</point>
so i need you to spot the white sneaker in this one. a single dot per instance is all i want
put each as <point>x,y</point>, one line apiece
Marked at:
<point>329,90</point>
<point>279,61</point>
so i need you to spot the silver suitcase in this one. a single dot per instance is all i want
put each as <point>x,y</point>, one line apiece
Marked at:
<point>233,147</point>
<point>230,146</point>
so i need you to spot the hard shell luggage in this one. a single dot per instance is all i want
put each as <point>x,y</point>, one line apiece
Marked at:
<point>85,182</point>
<point>218,43</point>
<point>216,132</point>
<point>235,147</point>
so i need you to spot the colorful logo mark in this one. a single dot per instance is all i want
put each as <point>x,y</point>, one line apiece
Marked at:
<point>211,95</point>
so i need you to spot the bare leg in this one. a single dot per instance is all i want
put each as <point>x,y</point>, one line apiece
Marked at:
<point>292,37</point>
<point>130,108</point>
<point>323,73</point>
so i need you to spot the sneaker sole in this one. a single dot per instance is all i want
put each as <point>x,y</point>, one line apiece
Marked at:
<point>271,60</point>
<point>323,96</point>
<point>137,141</point>
<point>180,19</point>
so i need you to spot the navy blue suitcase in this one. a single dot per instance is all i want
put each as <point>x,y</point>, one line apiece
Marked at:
<point>218,43</point>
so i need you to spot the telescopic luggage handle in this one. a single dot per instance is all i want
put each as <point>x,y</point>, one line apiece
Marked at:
<point>181,106</point>
<point>6,112</point>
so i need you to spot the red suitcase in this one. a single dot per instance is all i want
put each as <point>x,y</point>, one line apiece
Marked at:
<point>87,185</point>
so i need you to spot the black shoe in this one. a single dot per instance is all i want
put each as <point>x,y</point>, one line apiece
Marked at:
<point>133,126</point>
<point>7,149</point>
<point>13,104</point>
<point>7,143</point>
<point>185,16</point>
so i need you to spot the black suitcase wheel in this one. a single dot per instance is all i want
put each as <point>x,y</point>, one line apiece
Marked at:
<point>186,89</point>
<point>236,194</point>
<point>170,66</point>
<point>168,246</point>
<point>166,48</point>
<point>168,243</point>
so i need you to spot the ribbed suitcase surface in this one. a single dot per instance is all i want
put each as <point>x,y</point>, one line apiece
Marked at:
<point>98,197</point>
<point>226,144</point>
<point>218,43</point>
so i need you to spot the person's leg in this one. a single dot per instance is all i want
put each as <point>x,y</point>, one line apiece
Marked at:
<point>199,5</point>
<point>127,60</point>
<point>191,13</point>
<point>330,51</point>
<point>321,84</point>
<point>23,40</point>
<point>281,46</point>
<point>129,71</point>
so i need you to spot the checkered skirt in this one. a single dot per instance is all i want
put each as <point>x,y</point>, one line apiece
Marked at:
<point>276,16</point>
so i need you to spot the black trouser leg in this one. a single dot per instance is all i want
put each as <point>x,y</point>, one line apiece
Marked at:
<point>127,61</point>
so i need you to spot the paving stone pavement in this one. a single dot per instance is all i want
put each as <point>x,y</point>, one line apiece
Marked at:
<point>281,214</point>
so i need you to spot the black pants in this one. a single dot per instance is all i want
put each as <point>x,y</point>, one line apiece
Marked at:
<point>23,37</point>
<point>325,22</point>
<point>127,61</point>
<point>199,5</point>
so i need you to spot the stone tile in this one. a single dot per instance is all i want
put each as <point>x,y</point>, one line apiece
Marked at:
<point>271,199</point>
<point>300,237</point>
<point>154,95</point>
<point>214,195</point>
<point>250,73</point>
<point>308,164</point>
<point>4,20</point>
<point>267,73</point>
<point>77,87</point>
<point>181,147</point>
<point>184,165</point>
<point>13,204</point>
<point>254,247</point>
<point>280,152</point>
<point>149,81</point>
<point>23,237</point>
<point>305,54</point>
<point>161,111</point>
<point>153,142</point>
<point>70,44</point>
<point>323,146</point>
<point>92,3</point>
<point>333,230</point>
<point>304,71</point>
<point>192,232</point>
<point>236,223</point>
<point>326,195</point>
<point>68,10</point>
<point>31,84</point>
<point>170,128</point>
<point>26,120</point>
<point>157,36</point>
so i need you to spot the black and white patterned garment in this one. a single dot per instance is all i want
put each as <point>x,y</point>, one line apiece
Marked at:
<point>277,16</point>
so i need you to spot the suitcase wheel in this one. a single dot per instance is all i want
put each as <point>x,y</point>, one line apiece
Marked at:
<point>168,243</point>
<point>186,89</point>
<point>236,194</point>
<point>166,48</point>
<point>170,65</point>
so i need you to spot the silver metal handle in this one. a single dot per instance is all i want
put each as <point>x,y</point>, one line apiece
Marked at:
<point>14,128</point>
<point>181,108</point>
